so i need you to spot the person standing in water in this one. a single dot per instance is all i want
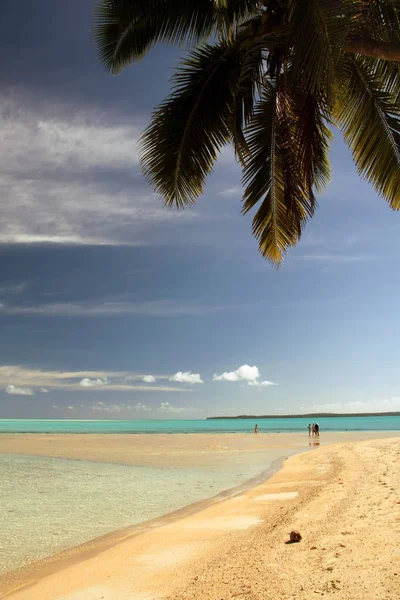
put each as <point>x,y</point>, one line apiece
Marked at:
<point>309,430</point>
<point>256,428</point>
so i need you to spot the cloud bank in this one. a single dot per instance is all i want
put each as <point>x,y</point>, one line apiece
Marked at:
<point>139,407</point>
<point>107,306</point>
<point>14,377</point>
<point>391,404</point>
<point>78,173</point>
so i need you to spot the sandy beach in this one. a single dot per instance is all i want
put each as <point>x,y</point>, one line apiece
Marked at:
<point>343,497</point>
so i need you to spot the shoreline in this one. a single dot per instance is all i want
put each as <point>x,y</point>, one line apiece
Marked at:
<point>28,578</point>
<point>16,579</point>
<point>21,578</point>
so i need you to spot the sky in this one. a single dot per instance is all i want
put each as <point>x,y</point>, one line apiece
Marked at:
<point>112,306</point>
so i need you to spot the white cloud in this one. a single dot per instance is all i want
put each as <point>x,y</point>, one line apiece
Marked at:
<point>77,173</point>
<point>76,142</point>
<point>109,407</point>
<point>117,408</point>
<point>167,407</point>
<point>149,379</point>
<point>86,382</point>
<point>186,377</point>
<point>19,391</point>
<point>391,404</point>
<point>152,308</point>
<point>13,288</point>
<point>334,258</point>
<point>70,407</point>
<point>244,373</point>
<point>261,383</point>
<point>142,407</point>
<point>232,191</point>
<point>72,380</point>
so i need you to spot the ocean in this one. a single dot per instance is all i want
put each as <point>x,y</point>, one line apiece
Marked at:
<point>381,423</point>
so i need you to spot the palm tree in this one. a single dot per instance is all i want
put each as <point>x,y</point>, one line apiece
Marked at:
<point>273,78</point>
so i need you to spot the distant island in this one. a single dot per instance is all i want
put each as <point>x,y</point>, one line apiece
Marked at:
<point>312,415</point>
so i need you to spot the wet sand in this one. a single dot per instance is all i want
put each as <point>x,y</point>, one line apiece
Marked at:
<point>343,498</point>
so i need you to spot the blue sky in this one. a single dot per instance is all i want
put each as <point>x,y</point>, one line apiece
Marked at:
<point>112,306</point>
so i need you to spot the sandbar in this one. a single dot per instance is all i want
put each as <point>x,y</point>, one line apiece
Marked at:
<point>173,450</point>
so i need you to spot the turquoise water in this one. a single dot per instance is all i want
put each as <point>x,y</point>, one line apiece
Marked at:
<point>199,426</point>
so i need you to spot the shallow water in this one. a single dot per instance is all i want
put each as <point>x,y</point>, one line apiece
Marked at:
<point>51,504</point>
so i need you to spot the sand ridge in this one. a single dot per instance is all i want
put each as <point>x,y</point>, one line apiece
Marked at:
<point>347,508</point>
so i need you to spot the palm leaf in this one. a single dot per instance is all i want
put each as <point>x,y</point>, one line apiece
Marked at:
<point>188,130</point>
<point>318,32</point>
<point>126,29</point>
<point>288,141</point>
<point>255,37</point>
<point>249,84</point>
<point>381,20</point>
<point>387,73</point>
<point>369,116</point>
<point>312,138</point>
<point>230,13</point>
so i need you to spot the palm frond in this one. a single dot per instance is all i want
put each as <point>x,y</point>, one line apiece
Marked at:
<point>387,73</point>
<point>188,130</point>
<point>311,139</point>
<point>243,103</point>
<point>126,29</point>
<point>318,31</point>
<point>230,13</point>
<point>369,117</point>
<point>249,84</point>
<point>256,38</point>
<point>288,143</point>
<point>380,20</point>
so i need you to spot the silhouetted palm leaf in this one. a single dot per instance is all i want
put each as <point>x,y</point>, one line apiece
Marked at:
<point>125,30</point>
<point>287,141</point>
<point>187,131</point>
<point>370,120</point>
<point>319,28</point>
